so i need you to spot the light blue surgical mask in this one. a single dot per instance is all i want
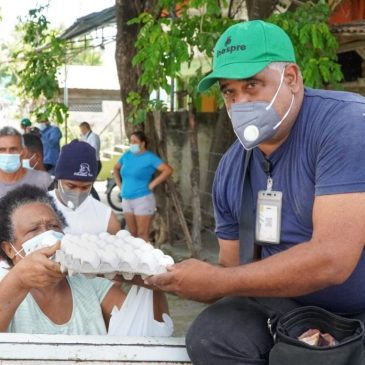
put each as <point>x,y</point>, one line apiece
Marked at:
<point>26,163</point>
<point>42,126</point>
<point>45,239</point>
<point>134,148</point>
<point>10,162</point>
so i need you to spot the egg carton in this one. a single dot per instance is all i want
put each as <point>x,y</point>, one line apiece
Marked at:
<point>108,255</point>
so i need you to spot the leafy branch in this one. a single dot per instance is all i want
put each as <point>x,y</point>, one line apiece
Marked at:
<point>42,54</point>
<point>315,45</point>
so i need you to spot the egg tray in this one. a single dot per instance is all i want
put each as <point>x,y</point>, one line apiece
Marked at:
<point>108,255</point>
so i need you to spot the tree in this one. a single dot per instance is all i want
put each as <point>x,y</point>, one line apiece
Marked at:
<point>41,54</point>
<point>179,30</point>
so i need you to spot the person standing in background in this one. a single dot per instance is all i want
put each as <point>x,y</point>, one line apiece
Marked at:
<point>136,167</point>
<point>88,136</point>
<point>12,173</point>
<point>25,125</point>
<point>75,173</point>
<point>50,136</point>
<point>33,152</point>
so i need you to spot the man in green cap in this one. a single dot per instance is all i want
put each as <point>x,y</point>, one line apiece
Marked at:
<point>301,201</point>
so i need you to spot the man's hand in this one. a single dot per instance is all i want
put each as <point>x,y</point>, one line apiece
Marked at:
<point>191,279</point>
<point>37,270</point>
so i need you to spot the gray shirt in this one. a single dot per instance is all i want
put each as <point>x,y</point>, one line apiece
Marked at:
<point>32,177</point>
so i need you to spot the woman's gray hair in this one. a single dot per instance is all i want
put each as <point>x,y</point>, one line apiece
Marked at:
<point>10,131</point>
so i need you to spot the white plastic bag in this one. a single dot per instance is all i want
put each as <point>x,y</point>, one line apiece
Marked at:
<point>135,317</point>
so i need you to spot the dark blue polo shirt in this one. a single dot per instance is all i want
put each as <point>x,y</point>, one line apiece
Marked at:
<point>324,154</point>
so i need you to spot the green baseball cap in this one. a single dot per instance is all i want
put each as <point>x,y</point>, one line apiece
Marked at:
<point>245,49</point>
<point>25,122</point>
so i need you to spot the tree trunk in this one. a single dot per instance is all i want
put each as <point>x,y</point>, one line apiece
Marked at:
<point>222,139</point>
<point>125,50</point>
<point>195,182</point>
<point>260,9</point>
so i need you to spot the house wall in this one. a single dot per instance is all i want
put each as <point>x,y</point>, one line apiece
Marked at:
<point>100,108</point>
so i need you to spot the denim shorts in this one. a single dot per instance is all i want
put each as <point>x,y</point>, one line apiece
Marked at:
<point>146,205</point>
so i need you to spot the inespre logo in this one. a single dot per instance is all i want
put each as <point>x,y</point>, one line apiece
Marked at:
<point>230,48</point>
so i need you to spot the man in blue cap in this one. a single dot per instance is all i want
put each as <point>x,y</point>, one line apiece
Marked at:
<point>302,201</point>
<point>75,173</point>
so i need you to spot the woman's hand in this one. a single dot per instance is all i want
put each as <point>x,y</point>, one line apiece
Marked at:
<point>37,270</point>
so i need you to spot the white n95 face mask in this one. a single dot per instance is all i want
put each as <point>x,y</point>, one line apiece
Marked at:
<point>45,239</point>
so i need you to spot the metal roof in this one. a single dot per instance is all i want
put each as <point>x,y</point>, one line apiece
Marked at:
<point>354,27</point>
<point>350,36</point>
<point>90,22</point>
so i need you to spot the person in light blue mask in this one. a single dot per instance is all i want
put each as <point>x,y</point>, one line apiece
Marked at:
<point>33,152</point>
<point>12,172</point>
<point>51,136</point>
<point>136,168</point>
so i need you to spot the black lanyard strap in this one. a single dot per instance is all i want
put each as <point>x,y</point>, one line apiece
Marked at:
<point>246,226</point>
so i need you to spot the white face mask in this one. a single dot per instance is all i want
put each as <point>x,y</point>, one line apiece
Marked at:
<point>26,163</point>
<point>45,239</point>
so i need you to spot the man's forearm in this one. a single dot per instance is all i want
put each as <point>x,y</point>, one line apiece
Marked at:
<point>300,270</point>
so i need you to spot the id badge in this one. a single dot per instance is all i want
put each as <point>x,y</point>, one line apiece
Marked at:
<point>268,216</point>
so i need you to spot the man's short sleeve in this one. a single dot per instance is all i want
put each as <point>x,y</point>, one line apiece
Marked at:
<point>227,193</point>
<point>340,166</point>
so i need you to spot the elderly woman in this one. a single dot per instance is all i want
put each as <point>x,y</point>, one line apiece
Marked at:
<point>35,297</point>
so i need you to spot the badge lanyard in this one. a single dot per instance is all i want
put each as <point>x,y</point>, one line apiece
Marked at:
<point>268,211</point>
<point>246,225</point>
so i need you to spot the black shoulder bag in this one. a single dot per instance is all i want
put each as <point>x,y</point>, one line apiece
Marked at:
<point>288,349</point>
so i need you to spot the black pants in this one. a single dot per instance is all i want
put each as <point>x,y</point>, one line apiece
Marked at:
<point>233,331</point>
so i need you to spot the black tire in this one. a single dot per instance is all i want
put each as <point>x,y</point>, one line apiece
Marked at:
<point>114,199</point>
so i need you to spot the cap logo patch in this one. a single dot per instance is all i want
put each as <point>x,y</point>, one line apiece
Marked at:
<point>230,49</point>
<point>84,170</point>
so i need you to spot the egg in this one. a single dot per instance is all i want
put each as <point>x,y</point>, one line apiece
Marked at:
<point>123,233</point>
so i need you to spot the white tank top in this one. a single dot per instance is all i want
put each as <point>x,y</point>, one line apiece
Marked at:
<point>91,216</point>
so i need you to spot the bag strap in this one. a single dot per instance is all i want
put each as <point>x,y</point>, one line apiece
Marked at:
<point>246,224</point>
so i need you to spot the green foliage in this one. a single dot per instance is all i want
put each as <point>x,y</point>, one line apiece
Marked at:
<point>140,107</point>
<point>87,55</point>
<point>42,53</point>
<point>314,44</point>
<point>165,42</point>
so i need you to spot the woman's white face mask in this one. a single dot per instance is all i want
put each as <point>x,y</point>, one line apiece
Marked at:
<point>45,239</point>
